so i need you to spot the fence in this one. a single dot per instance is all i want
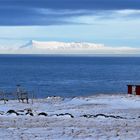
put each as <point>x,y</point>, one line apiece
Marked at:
<point>13,94</point>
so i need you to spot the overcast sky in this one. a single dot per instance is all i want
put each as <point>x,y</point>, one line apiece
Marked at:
<point>110,22</point>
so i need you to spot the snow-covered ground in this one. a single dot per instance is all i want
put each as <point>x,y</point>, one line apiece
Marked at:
<point>98,117</point>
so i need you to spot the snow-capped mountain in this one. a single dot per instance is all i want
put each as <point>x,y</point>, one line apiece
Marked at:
<point>26,45</point>
<point>61,45</point>
<point>56,47</point>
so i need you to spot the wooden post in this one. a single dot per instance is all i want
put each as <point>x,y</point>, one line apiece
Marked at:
<point>4,97</point>
<point>32,97</point>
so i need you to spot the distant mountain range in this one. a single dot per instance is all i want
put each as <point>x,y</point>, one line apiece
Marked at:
<point>61,45</point>
<point>26,45</point>
<point>56,47</point>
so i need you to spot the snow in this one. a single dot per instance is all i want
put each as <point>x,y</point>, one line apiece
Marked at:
<point>71,48</point>
<point>65,45</point>
<point>60,125</point>
<point>61,48</point>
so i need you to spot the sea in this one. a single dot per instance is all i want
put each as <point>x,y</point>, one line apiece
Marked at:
<point>68,76</point>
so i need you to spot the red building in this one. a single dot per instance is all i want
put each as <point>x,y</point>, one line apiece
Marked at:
<point>134,89</point>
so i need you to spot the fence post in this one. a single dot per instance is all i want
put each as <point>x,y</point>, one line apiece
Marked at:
<point>32,97</point>
<point>4,97</point>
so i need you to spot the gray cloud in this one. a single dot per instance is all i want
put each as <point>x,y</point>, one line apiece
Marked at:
<point>32,12</point>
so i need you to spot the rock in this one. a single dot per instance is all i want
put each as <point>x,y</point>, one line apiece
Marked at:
<point>1,112</point>
<point>29,110</point>
<point>31,114</point>
<point>43,114</point>
<point>88,116</point>
<point>103,115</point>
<point>65,115</point>
<point>12,111</point>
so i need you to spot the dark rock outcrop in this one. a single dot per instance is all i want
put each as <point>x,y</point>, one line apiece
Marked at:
<point>42,114</point>
<point>102,115</point>
<point>65,114</point>
<point>12,111</point>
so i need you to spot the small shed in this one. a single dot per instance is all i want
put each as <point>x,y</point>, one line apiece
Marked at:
<point>134,89</point>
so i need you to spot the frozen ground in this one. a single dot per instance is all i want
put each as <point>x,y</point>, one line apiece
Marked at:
<point>101,117</point>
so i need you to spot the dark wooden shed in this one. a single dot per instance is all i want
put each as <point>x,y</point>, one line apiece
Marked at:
<point>134,89</point>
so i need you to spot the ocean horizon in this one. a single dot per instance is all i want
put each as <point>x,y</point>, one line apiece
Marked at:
<point>68,76</point>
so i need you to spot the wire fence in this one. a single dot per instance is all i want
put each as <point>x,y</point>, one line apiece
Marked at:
<point>8,93</point>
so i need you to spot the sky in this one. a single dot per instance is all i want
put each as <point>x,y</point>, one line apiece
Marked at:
<point>114,23</point>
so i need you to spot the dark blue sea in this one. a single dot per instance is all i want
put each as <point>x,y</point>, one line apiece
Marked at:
<point>68,76</point>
